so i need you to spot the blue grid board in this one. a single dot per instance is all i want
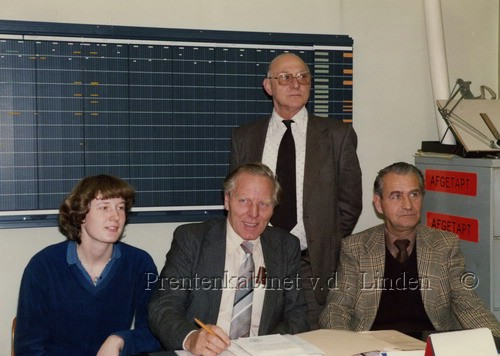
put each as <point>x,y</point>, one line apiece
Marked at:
<point>158,115</point>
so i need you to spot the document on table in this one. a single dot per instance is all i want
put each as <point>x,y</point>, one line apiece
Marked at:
<point>399,340</point>
<point>397,344</point>
<point>393,353</point>
<point>349,343</point>
<point>275,345</point>
<point>269,345</point>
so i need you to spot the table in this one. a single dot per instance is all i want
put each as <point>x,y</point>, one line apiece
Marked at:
<point>348,343</point>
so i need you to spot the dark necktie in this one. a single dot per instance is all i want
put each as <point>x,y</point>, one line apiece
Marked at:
<point>242,306</point>
<point>402,246</point>
<point>285,214</point>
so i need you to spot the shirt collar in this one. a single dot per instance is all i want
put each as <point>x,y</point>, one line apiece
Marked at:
<point>72,254</point>
<point>300,119</point>
<point>390,238</point>
<point>233,240</point>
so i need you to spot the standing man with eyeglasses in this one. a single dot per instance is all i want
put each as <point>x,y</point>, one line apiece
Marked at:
<point>316,163</point>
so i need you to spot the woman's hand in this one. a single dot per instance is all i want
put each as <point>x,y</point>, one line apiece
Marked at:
<point>111,346</point>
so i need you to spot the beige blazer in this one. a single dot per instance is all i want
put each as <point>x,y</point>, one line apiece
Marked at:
<point>449,304</point>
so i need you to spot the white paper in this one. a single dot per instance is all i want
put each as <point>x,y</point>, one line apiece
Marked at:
<point>268,345</point>
<point>271,345</point>
<point>403,353</point>
<point>464,343</point>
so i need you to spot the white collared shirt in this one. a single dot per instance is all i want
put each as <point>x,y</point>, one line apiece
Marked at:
<point>275,133</point>
<point>234,258</point>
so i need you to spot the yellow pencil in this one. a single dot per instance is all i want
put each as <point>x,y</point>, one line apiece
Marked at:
<point>207,329</point>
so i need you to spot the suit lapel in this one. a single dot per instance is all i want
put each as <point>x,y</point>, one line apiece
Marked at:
<point>214,247</point>
<point>426,272</point>
<point>373,266</point>
<point>315,151</point>
<point>256,140</point>
<point>271,254</point>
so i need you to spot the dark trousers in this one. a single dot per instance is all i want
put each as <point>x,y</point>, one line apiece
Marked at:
<point>308,283</point>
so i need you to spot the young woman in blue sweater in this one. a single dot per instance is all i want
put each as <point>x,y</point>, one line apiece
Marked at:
<point>89,294</point>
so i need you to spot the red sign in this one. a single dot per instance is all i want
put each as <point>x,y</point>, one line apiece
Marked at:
<point>467,229</point>
<point>453,182</point>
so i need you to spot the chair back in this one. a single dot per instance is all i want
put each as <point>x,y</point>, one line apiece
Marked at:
<point>12,334</point>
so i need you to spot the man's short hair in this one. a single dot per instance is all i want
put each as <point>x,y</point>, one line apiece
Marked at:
<point>400,168</point>
<point>258,169</point>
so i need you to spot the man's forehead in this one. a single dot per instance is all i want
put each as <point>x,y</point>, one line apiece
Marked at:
<point>403,190</point>
<point>286,62</point>
<point>400,182</point>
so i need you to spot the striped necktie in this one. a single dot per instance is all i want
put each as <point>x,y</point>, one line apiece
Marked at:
<point>242,307</point>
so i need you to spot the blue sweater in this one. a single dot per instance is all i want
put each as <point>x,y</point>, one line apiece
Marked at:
<point>61,313</point>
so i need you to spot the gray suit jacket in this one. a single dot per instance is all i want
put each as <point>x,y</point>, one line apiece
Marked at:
<point>449,303</point>
<point>332,199</point>
<point>191,283</point>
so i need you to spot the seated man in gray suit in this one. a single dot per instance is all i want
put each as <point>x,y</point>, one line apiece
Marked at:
<point>414,287</point>
<point>207,263</point>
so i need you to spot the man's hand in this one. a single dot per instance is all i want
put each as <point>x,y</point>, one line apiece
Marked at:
<point>203,343</point>
<point>111,346</point>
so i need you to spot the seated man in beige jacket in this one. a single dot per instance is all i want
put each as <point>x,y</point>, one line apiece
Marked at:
<point>412,288</point>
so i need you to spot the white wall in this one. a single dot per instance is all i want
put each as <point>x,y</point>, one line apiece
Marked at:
<point>393,106</point>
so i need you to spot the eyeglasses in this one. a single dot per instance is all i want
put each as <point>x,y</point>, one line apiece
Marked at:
<point>303,78</point>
